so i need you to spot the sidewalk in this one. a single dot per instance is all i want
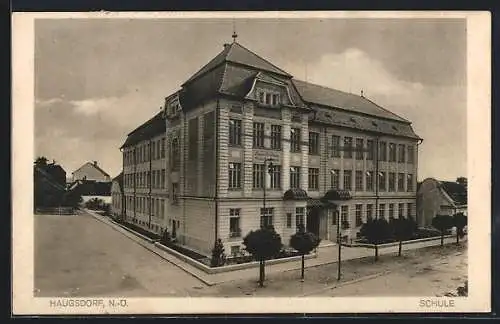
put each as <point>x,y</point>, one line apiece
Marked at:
<point>325,255</point>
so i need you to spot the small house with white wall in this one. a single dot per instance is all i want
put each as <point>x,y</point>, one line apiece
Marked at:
<point>436,197</point>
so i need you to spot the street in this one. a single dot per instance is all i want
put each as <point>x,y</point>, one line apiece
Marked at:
<point>80,256</point>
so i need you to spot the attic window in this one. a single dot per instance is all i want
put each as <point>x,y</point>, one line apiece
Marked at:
<point>328,115</point>
<point>268,98</point>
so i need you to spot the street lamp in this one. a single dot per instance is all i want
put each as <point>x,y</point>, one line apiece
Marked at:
<point>338,242</point>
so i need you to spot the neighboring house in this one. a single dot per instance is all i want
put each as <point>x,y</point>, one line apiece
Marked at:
<point>91,171</point>
<point>48,192</point>
<point>332,152</point>
<point>89,189</point>
<point>440,198</point>
<point>57,173</point>
<point>117,197</point>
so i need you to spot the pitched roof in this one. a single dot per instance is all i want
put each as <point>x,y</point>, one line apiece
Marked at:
<point>49,179</point>
<point>152,127</point>
<point>236,53</point>
<point>456,191</point>
<point>95,167</point>
<point>362,122</point>
<point>325,96</point>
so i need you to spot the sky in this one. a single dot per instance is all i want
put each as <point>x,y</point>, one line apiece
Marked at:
<point>98,79</point>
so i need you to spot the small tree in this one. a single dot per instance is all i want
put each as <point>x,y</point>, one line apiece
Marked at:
<point>262,244</point>
<point>402,231</point>
<point>304,242</point>
<point>442,223</point>
<point>459,221</point>
<point>218,255</point>
<point>377,232</point>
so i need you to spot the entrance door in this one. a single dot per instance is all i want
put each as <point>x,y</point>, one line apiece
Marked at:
<point>313,221</point>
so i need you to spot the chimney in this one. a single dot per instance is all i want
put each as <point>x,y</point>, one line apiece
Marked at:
<point>95,163</point>
<point>226,45</point>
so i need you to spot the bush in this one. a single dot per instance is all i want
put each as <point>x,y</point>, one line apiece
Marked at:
<point>166,239</point>
<point>218,255</point>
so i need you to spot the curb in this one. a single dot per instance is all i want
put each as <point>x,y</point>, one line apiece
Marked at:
<point>115,226</point>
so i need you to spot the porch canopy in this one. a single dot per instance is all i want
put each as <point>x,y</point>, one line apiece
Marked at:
<point>295,194</point>
<point>333,195</point>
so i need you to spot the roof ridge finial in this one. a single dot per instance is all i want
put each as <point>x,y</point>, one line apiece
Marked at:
<point>234,36</point>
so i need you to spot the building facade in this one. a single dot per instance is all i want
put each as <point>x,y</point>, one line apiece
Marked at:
<point>144,175</point>
<point>440,198</point>
<point>247,145</point>
<point>117,197</point>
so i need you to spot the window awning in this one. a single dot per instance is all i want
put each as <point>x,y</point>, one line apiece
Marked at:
<point>295,194</point>
<point>336,195</point>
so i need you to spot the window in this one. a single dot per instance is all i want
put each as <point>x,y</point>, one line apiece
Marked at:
<point>299,217</point>
<point>347,179</point>
<point>382,151</point>
<point>295,140</point>
<point>392,181</point>
<point>235,250</point>
<point>391,211</point>
<point>313,177</point>
<point>162,180</point>
<point>409,180</point>
<point>359,180</point>
<point>234,132</point>
<point>294,177</point>
<point>163,147</point>
<point>313,143</point>
<point>276,99</point>
<point>153,180</point>
<point>333,214</point>
<point>359,148</point>
<point>176,155</point>
<point>401,182</point>
<point>369,150</point>
<point>359,216</point>
<point>334,177</point>
<point>162,208</point>
<point>381,211</point>
<point>266,217</point>
<point>258,134</point>
<point>410,154</point>
<point>401,153</point>
<point>289,220</point>
<point>369,211</point>
<point>369,180</point>
<point>401,208</point>
<point>409,210</point>
<point>347,147</point>
<point>276,137</point>
<point>344,216</point>
<point>275,175</point>
<point>335,146</point>
<point>234,175</point>
<point>258,176</point>
<point>392,152</point>
<point>153,151</point>
<point>381,181</point>
<point>268,98</point>
<point>175,193</point>
<point>234,222</point>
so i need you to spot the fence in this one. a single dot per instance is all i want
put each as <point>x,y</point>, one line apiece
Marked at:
<point>56,210</point>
